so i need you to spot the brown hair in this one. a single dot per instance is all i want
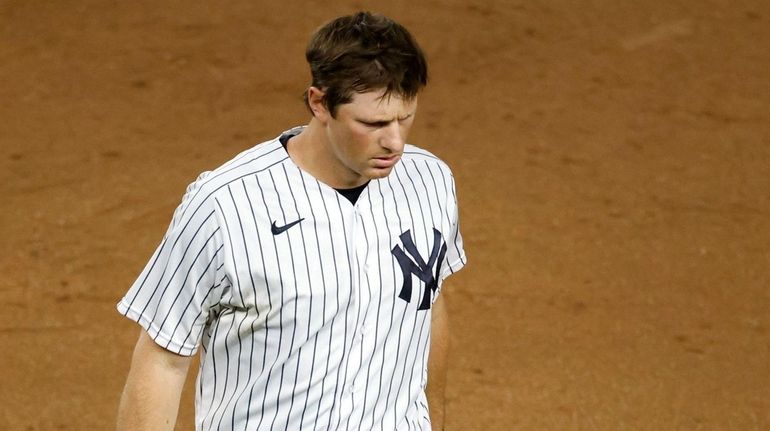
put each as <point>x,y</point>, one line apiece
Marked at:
<point>364,52</point>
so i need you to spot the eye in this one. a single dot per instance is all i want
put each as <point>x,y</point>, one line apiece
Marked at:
<point>375,124</point>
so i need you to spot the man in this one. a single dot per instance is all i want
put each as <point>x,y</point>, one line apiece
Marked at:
<point>309,267</point>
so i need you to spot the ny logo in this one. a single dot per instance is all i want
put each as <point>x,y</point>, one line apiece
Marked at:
<point>417,266</point>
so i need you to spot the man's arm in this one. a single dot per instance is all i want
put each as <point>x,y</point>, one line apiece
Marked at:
<point>150,399</point>
<point>437,363</point>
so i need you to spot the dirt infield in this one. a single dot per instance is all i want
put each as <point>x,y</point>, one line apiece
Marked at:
<point>613,171</point>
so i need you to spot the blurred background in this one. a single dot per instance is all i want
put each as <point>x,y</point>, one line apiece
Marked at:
<point>613,173</point>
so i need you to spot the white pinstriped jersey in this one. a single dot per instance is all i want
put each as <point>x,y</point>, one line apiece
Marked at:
<point>322,324</point>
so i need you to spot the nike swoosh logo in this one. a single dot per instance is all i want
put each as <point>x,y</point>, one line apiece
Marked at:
<point>281,229</point>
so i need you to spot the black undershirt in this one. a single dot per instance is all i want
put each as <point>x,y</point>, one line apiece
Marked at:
<point>349,194</point>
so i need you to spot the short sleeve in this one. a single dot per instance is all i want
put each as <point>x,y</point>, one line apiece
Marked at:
<point>455,259</point>
<point>172,297</point>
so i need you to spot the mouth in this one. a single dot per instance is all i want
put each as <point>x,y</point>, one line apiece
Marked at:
<point>386,161</point>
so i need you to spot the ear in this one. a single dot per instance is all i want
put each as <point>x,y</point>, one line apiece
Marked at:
<point>315,100</point>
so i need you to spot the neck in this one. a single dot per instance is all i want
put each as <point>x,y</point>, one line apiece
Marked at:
<point>312,152</point>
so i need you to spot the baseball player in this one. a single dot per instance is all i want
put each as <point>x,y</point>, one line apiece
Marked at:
<point>307,269</point>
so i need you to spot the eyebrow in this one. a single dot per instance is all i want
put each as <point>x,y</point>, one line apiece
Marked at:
<point>384,121</point>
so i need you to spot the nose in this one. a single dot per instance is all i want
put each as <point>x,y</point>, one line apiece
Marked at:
<point>392,138</point>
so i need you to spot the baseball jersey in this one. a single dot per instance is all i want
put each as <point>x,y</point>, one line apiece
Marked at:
<point>313,313</point>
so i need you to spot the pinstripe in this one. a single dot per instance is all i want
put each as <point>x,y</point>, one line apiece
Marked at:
<point>379,302</point>
<point>422,357</point>
<point>331,332</point>
<point>421,213</point>
<point>192,198</point>
<point>446,212</point>
<point>227,168</point>
<point>346,353</point>
<point>189,303</point>
<point>181,261</point>
<point>323,303</point>
<point>397,176</point>
<point>366,311</point>
<point>185,278</point>
<point>294,327</point>
<point>133,294</point>
<point>421,153</point>
<point>310,305</point>
<point>448,215</point>
<point>457,246</point>
<point>424,342</point>
<point>163,323</point>
<point>227,334</point>
<point>202,328</point>
<point>226,381</point>
<point>179,292</point>
<point>431,207</point>
<point>241,176</point>
<point>217,189</point>
<point>433,221</point>
<point>454,196</point>
<point>443,208</point>
<point>213,366</point>
<point>242,304</point>
<point>269,299</point>
<point>245,319</point>
<point>393,307</point>
<point>303,329</point>
<point>280,318</point>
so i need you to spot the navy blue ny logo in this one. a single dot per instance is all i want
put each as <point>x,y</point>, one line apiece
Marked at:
<point>423,270</point>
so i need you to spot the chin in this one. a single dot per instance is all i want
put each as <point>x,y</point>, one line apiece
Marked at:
<point>375,174</point>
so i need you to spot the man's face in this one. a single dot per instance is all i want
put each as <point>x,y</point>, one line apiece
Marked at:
<point>367,136</point>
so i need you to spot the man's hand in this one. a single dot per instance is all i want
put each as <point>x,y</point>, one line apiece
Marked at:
<point>150,399</point>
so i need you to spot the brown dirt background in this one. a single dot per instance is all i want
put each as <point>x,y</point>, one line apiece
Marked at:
<point>613,171</point>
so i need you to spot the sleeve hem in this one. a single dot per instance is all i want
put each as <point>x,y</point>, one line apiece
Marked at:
<point>453,267</point>
<point>152,330</point>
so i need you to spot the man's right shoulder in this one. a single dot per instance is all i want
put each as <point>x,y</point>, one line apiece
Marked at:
<point>256,159</point>
<point>259,158</point>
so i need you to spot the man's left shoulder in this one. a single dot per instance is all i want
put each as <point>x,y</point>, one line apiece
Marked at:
<point>422,156</point>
